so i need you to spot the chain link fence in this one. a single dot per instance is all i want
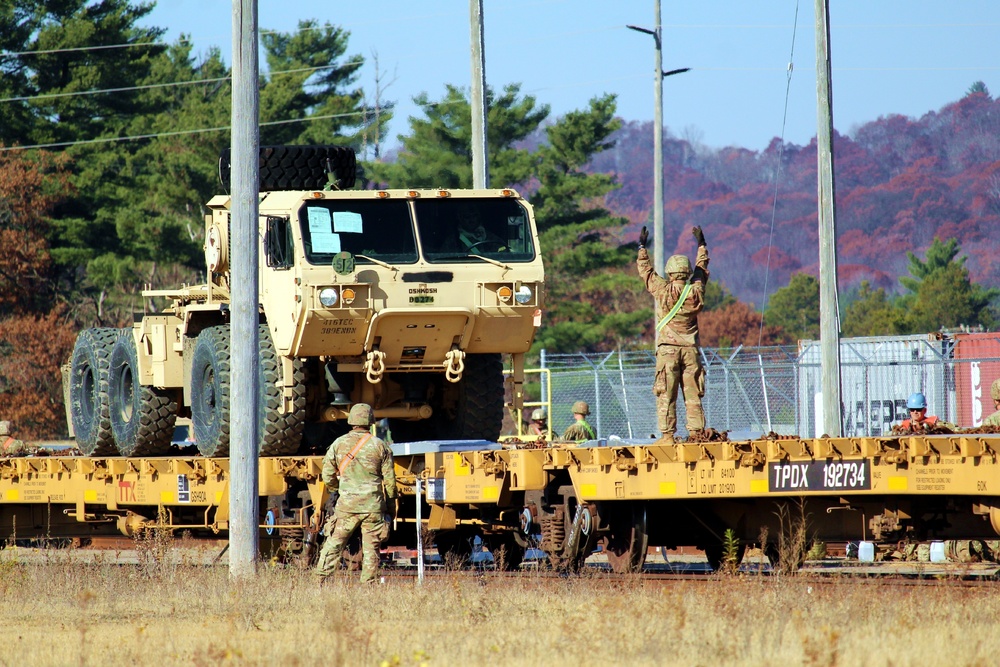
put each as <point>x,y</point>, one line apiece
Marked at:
<point>751,391</point>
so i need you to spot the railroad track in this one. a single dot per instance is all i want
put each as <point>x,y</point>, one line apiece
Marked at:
<point>402,565</point>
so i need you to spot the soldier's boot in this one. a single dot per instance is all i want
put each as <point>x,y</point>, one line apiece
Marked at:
<point>665,439</point>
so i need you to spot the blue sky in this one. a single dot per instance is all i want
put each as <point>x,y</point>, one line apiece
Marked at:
<point>889,56</point>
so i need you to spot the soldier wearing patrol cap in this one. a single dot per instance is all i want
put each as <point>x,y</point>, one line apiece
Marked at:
<point>994,419</point>
<point>580,429</point>
<point>679,298</point>
<point>359,466</point>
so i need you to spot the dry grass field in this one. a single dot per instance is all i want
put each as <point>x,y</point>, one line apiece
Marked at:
<point>58,612</point>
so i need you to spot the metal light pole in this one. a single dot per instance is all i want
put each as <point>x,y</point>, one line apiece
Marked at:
<point>658,75</point>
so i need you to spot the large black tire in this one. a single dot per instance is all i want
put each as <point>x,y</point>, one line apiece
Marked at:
<point>142,417</point>
<point>476,409</point>
<point>210,391</point>
<point>280,433</point>
<point>299,167</point>
<point>210,395</point>
<point>88,391</point>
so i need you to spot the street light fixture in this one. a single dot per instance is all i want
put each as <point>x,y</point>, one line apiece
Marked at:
<point>658,76</point>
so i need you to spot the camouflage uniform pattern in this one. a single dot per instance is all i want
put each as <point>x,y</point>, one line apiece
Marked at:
<point>678,363</point>
<point>992,420</point>
<point>579,430</point>
<point>9,445</point>
<point>360,502</point>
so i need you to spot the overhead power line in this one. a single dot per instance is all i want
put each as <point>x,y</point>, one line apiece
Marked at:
<point>75,49</point>
<point>101,91</point>
<point>157,135</point>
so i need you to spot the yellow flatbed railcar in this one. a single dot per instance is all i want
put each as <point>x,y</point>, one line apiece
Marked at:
<point>566,499</point>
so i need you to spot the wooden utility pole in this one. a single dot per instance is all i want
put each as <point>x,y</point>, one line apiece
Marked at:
<point>659,258</point>
<point>480,165</point>
<point>659,244</point>
<point>244,386</point>
<point>829,310</point>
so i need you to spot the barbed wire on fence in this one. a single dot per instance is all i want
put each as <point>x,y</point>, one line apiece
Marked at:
<point>752,391</point>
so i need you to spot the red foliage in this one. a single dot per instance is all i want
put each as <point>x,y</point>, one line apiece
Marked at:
<point>33,348</point>
<point>736,324</point>
<point>900,182</point>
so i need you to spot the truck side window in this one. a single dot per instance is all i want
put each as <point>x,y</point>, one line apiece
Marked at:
<point>278,243</point>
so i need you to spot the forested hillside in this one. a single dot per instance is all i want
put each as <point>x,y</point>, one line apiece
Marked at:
<point>900,182</point>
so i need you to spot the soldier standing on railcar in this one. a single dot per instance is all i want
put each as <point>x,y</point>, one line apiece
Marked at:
<point>679,298</point>
<point>359,466</point>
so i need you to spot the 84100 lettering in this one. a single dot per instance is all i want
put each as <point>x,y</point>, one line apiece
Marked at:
<point>819,476</point>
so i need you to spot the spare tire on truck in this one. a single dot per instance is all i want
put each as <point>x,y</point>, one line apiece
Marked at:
<point>142,417</point>
<point>88,391</point>
<point>299,167</point>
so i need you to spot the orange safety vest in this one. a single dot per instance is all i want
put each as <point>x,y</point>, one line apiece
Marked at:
<point>930,421</point>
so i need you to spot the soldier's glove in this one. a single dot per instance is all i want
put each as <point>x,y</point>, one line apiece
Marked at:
<point>392,508</point>
<point>643,237</point>
<point>699,236</point>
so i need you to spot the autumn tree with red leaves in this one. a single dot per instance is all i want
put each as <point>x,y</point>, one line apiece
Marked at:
<point>35,335</point>
<point>736,324</point>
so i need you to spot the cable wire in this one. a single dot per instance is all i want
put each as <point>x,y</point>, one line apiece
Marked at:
<point>136,137</point>
<point>777,174</point>
<point>28,98</point>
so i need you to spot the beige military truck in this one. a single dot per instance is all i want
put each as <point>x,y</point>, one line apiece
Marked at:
<point>403,299</point>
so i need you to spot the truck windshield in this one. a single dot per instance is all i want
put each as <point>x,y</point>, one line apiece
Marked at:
<point>380,229</point>
<point>453,228</point>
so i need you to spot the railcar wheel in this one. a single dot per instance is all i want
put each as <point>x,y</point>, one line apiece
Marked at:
<point>142,417</point>
<point>625,541</point>
<point>568,528</point>
<point>88,390</point>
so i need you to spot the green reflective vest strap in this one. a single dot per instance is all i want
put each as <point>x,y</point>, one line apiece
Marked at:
<point>677,306</point>
<point>590,430</point>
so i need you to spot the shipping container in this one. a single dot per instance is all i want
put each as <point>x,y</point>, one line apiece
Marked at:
<point>977,365</point>
<point>877,374</point>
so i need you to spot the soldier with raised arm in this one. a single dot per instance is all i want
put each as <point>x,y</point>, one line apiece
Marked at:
<point>679,298</point>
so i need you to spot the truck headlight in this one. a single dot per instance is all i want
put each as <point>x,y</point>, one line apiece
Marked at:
<point>328,297</point>
<point>523,294</point>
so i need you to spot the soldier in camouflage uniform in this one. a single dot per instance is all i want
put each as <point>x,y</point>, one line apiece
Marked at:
<point>9,445</point>
<point>679,298</point>
<point>994,419</point>
<point>580,429</point>
<point>359,466</point>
